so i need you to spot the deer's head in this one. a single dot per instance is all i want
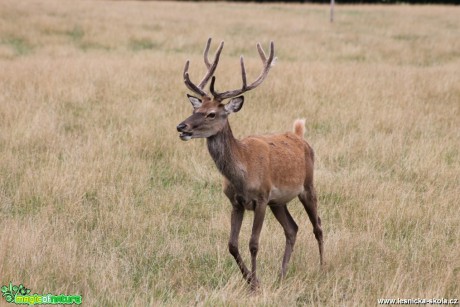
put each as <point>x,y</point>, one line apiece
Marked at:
<point>210,113</point>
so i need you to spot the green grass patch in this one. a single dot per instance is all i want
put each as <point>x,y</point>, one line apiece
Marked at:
<point>19,45</point>
<point>143,44</point>
<point>76,34</point>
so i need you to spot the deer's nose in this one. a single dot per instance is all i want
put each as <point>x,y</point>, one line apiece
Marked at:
<point>181,127</point>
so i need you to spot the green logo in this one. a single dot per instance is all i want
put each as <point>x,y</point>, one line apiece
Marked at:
<point>21,295</point>
<point>9,293</point>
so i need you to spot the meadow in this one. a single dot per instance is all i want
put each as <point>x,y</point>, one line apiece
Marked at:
<point>99,197</point>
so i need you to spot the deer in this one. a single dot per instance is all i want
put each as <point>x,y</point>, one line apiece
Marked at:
<point>258,171</point>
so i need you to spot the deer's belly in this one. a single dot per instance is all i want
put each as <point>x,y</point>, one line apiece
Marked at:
<point>285,195</point>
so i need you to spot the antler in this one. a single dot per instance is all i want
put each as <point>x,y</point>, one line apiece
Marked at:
<point>267,65</point>
<point>211,68</point>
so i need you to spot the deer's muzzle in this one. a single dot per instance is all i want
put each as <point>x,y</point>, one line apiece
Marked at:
<point>184,136</point>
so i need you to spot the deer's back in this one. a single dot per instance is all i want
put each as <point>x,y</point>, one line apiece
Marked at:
<point>280,164</point>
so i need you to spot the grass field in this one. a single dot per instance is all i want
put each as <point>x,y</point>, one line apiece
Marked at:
<point>99,197</point>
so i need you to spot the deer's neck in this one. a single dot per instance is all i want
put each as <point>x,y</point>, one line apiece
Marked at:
<point>225,150</point>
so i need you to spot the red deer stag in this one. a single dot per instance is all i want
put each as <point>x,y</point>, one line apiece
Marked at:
<point>258,170</point>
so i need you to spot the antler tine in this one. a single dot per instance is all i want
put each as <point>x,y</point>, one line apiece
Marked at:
<point>266,68</point>
<point>193,87</point>
<point>211,87</point>
<point>186,68</point>
<point>189,83</point>
<point>211,68</point>
<point>205,55</point>
<point>261,53</point>
<point>243,71</point>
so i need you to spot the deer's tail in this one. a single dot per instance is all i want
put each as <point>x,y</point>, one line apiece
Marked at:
<point>299,127</point>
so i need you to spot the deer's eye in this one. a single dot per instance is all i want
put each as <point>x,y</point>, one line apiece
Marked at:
<point>211,115</point>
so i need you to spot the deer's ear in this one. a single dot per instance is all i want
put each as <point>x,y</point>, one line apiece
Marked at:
<point>235,104</point>
<point>196,102</point>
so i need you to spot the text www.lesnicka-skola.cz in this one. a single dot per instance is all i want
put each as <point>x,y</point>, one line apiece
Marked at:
<point>417,301</point>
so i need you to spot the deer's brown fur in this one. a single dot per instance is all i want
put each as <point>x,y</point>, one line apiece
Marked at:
<point>259,171</point>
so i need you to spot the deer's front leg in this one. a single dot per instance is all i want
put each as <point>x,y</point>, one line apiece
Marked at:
<point>259,215</point>
<point>236,220</point>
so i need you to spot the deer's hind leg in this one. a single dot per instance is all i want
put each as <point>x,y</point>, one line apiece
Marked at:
<point>309,200</point>
<point>290,231</point>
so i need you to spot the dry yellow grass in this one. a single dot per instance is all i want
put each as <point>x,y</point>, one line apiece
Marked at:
<point>99,197</point>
